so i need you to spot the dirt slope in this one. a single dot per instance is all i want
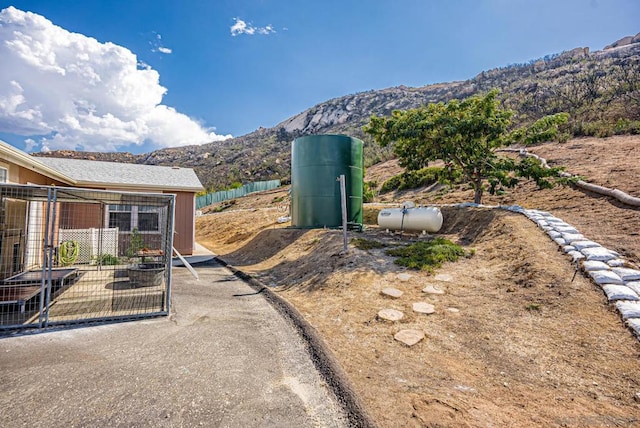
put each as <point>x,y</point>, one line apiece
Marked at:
<point>527,346</point>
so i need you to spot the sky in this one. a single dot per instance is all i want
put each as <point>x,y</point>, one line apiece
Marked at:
<point>140,75</point>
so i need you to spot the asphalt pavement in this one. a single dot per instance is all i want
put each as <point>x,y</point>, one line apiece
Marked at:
<point>223,358</point>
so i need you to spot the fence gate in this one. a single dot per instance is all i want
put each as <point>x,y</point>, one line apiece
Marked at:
<point>77,255</point>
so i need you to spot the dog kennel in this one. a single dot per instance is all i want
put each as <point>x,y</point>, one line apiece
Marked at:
<point>72,255</point>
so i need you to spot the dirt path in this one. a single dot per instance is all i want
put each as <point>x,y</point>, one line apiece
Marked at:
<point>513,341</point>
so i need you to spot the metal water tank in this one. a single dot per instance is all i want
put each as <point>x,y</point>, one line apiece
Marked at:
<point>316,163</point>
<point>418,219</point>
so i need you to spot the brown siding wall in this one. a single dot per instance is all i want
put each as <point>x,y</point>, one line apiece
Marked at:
<point>81,216</point>
<point>183,240</point>
<point>26,176</point>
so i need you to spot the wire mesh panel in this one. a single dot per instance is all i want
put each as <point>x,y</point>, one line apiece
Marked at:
<point>79,255</point>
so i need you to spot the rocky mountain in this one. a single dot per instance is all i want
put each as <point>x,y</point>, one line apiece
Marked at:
<point>598,89</point>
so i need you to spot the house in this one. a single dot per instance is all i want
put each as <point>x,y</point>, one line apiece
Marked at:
<point>17,167</point>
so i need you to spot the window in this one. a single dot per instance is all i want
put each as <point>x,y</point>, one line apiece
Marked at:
<point>120,217</point>
<point>148,219</point>
<point>145,218</point>
<point>4,175</point>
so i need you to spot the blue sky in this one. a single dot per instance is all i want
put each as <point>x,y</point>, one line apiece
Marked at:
<point>188,78</point>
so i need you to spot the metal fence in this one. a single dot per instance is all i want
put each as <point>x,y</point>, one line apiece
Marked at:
<point>78,255</point>
<point>258,186</point>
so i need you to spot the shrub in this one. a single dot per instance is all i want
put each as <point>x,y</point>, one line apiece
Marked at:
<point>107,260</point>
<point>366,244</point>
<point>427,255</point>
<point>224,205</point>
<point>412,179</point>
<point>369,191</point>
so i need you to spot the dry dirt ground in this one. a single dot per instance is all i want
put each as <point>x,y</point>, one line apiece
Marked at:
<point>514,340</point>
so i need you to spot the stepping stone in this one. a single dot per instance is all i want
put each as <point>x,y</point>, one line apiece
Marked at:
<point>628,309</point>
<point>443,277</point>
<point>432,289</point>
<point>598,253</point>
<point>554,234</point>
<point>590,265</point>
<point>619,292</point>
<point>404,277</point>
<point>627,274</point>
<point>568,248</point>
<point>453,310</point>
<point>409,337</point>
<point>391,292</point>
<point>424,308</point>
<point>605,277</point>
<point>390,314</point>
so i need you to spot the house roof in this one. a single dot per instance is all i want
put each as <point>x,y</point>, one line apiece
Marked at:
<point>20,158</point>
<point>125,175</point>
<point>110,175</point>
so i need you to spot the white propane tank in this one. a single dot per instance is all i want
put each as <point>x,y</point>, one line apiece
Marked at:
<point>425,219</point>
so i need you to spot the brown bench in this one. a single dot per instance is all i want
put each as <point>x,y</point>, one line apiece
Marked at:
<point>24,286</point>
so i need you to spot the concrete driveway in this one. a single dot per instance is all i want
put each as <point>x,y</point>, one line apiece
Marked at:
<point>224,358</point>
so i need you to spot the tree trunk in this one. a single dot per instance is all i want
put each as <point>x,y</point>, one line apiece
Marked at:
<point>477,197</point>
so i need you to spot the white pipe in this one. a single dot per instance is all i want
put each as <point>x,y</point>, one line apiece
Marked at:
<point>186,264</point>
<point>343,201</point>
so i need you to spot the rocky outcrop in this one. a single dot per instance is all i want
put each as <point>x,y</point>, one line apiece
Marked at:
<point>625,41</point>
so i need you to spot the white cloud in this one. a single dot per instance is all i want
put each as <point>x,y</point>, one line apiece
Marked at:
<point>69,91</point>
<point>157,46</point>
<point>241,27</point>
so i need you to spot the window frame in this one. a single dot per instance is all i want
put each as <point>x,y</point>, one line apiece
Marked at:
<point>135,211</point>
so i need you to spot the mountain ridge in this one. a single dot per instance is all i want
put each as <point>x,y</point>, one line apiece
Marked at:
<point>577,81</point>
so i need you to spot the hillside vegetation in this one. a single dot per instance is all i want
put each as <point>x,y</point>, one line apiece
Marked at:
<point>600,90</point>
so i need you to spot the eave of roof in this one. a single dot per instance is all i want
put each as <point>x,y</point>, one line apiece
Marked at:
<point>20,158</point>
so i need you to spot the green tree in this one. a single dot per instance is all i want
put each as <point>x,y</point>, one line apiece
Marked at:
<point>465,135</point>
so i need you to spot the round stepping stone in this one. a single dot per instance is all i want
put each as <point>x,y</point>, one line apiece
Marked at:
<point>443,277</point>
<point>424,308</point>
<point>404,277</point>
<point>409,337</point>
<point>390,314</point>
<point>391,292</point>
<point>432,289</point>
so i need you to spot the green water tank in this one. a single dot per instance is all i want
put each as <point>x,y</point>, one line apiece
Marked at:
<point>317,161</point>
